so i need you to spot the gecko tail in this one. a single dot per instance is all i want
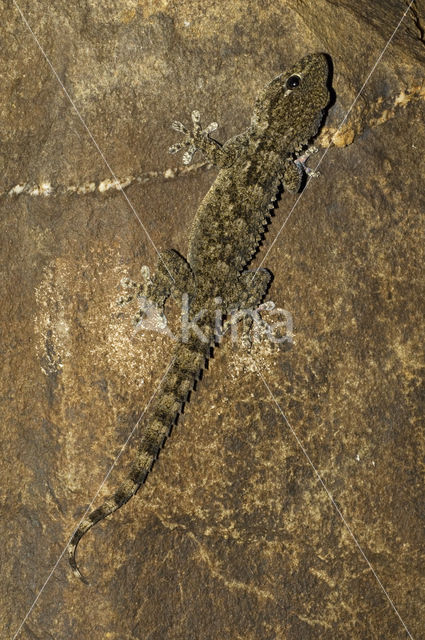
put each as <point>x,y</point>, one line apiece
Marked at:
<point>151,443</point>
<point>188,362</point>
<point>114,502</point>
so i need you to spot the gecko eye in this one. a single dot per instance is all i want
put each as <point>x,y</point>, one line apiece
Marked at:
<point>293,82</point>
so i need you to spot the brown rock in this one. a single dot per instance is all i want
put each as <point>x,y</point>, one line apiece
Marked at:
<point>233,537</point>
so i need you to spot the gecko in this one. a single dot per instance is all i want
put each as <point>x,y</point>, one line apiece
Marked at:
<point>225,236</point>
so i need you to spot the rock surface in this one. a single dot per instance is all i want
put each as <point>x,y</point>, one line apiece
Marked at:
<point>233,536</point>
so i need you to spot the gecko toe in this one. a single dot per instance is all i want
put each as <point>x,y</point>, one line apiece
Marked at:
<point>176,147</point>
<point>188,155</point>
<point>178,126</point>
<point>213,126</point>
<point>196,117</point>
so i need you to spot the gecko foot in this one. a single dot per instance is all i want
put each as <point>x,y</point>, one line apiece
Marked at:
<point>134,289</point>
<point>255,328</point>
<point>151,317</point>
<point>151,312</point>
<point>301,160</point>
<point>192,142</point>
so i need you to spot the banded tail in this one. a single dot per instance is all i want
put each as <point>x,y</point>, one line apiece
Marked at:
<point>188,363</point>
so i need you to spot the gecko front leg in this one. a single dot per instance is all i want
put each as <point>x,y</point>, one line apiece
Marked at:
<point>199,140</point>
<point>295,169</point>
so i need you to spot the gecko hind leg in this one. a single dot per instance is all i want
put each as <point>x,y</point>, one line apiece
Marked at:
<point>173,277</point>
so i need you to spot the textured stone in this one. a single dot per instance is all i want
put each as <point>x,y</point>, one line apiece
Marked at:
<point>233,536</point>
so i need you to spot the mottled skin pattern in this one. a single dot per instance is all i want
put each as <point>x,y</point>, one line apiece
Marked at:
<point>225,235</point>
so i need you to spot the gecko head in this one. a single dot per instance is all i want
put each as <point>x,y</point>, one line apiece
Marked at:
<point>290,107</point>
